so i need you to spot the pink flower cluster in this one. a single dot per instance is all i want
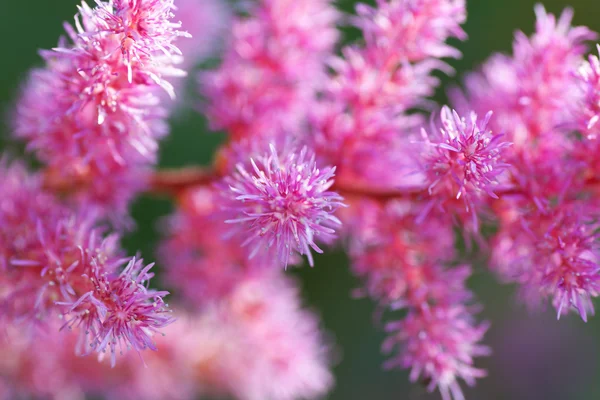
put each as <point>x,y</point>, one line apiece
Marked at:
<point>93,113</point>
<point>324,148</point>
<point>262,344</point>
<point>543,97</point>
<point>56,262</point>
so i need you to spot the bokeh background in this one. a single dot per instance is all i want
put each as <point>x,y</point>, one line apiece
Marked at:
<point>535,357</point>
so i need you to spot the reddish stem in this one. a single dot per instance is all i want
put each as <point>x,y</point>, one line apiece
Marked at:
<point>174,181</point>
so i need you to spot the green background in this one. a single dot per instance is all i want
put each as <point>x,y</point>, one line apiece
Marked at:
<point>535,357</point>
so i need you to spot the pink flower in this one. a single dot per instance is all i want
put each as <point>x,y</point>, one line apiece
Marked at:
<point>532,91</point>
<point>143,27</point>
<point>412,29</point>
<point>438,344</point>
<point>86,115</point>
<point>276,63</point>
<point>30,370</point>
<point>463,160</point>
<point>388,245</point>
<point>587,111</point>
<point>120,312</point>
<point>52,257</point>
<point>283,203</point>
<point>203,262</point>
<point>259,344</point>
<point>552,253</point>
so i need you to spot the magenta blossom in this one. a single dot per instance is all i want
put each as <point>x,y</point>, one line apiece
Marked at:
<point>552,253</point>
<point>54,260</point>
<point>463,160</point>
<point>272,71</point>
<point>587,112</point>
<point>438,344</point>
<point>120,312</point>
<point>283,203</point>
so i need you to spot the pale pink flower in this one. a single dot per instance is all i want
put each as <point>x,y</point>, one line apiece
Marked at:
<point>261,345</point>
<point>29,370</point>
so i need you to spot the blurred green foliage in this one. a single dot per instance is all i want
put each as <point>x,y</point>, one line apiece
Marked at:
<point>536,357</point>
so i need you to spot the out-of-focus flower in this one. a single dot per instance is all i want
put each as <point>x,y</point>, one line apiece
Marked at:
<point>587,112</point>
<point>438,344</point>
<point>203,262</point>
<point>255,343</point>
<point>391,249</point>
<point>263,346</point>
<point>532,91</point>
<point>57,261</point>
<point>93,114</point>
<point>551,253</point>
<point>48,368</point>
<point>282,203</point>
<point>276,63</point>
<point>412,30</point>
<point>388,245</point>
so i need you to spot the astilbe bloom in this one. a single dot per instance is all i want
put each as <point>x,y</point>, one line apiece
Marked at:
<point>552,253</point>
<point>272,70</point>
<point>439,344</point>
<point>462,159</point>
<point>93,114</point>
<point>266,347</point>
<point>257,341</point>
<point>531,91</point>
<point>57,261</point>
<point>390,249</point>
<point>145,29</point>
<point>282,202</point>
<point>177,372</point>
<point>204,263</point>
<point>587,111</point>
<point>413,29</point>
<point>366,112</point>
<point>387,242</point>
<point>546,221</point>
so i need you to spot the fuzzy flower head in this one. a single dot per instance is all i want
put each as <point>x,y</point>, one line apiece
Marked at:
<point>259,343</point>
<point>464,159</point>
<point>413,29</point>
<point>552,253</point>
<point>282,202</point>
<point>120,312</point>
<point>587,112</point>
<point>87,117</point>
<point>144,28</point>
<point>55,262</point>
<point>438,344</point>
<point>531,91</point>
